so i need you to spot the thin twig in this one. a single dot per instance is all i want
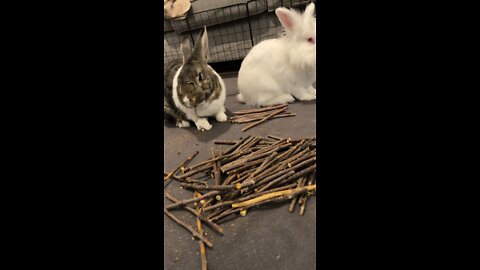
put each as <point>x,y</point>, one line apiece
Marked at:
<point>184,202</point>
<point>289,192</point>
<point>263,120</point>
<point>184,225</point>
<point>264,109</point>
<point>197,214</point>
<point>203,254</point>
<point>180,166</point>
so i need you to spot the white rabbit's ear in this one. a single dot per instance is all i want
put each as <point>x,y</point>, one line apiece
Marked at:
<point>201,46</point>
<point>287,18</point>
<point>186,48</point>
<point>310,10</point>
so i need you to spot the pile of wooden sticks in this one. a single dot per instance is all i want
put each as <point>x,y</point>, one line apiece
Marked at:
<point>261,115</point>
<point>252,172</point>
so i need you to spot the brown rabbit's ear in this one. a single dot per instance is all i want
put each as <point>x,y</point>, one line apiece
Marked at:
<point>186,48</point>
<point>200,52</point>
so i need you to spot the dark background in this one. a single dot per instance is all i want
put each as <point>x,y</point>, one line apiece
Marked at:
<point>83,134</point>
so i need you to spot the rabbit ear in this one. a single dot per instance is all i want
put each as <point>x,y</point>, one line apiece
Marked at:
<point>310,10</point>
<point>287,18</point>
<point>200,51</point>
<point>186,48</point>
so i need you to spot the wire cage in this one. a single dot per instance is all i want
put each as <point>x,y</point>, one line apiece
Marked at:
<point>233,29</point>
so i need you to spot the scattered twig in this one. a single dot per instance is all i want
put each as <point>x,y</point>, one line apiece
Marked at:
<point>197,214</point>
<point>180,166</point>
<point>263,120</point>
<point>184,225</point>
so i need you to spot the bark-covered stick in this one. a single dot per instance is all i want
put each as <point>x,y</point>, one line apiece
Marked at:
<point>209,208</point>
<point>300,183</point>
<point>299,174</point>
<point>197,214</point>
<point>273,182</point>
<point>263,120</point>
<point>198,170</point>
<point>216,168</point>
<point>305,196</point>
<point>225,142</point>
<point>273,195</point>
<point>264,109</point>
<point>208,161</point>
<point>180,166</point>
<point>203,253</point>
<point>235,146</point>
<point>274,137</point>
<point>184,202</point>
<point>184,225</point>
<point>220,187</point>
<point>249,120</point>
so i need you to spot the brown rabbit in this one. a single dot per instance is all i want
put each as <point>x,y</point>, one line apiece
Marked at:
<point>192,89</point>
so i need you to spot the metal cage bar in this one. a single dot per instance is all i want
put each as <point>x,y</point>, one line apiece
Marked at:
<point>229,39</point>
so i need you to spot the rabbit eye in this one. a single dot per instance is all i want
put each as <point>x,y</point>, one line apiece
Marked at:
<point>310,40</point>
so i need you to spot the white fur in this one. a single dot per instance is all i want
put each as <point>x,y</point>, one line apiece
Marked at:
<point>183,124</point>
<point>277,70</point>
<point>198,115</point>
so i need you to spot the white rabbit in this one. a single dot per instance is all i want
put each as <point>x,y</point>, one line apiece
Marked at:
<point>277,70</point>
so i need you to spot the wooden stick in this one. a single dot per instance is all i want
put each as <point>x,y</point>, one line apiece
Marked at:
<point>216,168</point>
<point>203,254</point>
<point>300,183</point>
<point>197,214</point>
<point>274,137</point>
<point>311,156</point>
<point>272,195</point>
<point>220,187</point>
<point>226,213</point>
<point>236,155</point>
<point>225,142</point>
<point>246,198</point>
<point>253,156</point>
<point>184,202</point>
<point>184,225</point>
<point>241,146</point>
<point>299,174</point>
<point>286,175</point>
<point>264,164</point>
<point>248,120</point>
<point>193,172</point>
<point>253,115</point>
<point>180,166</point>
<point>305,196</point>
<point>190,180</point>
<point>263,120</point>
<point>264,109</point>
<point>258,203</point>
<point>235,146</point>
<point>209,161</point>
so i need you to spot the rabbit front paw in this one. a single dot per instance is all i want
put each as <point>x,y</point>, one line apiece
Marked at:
<point>183,124</point>
<point>221,117</point>
<point>203,124</point>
